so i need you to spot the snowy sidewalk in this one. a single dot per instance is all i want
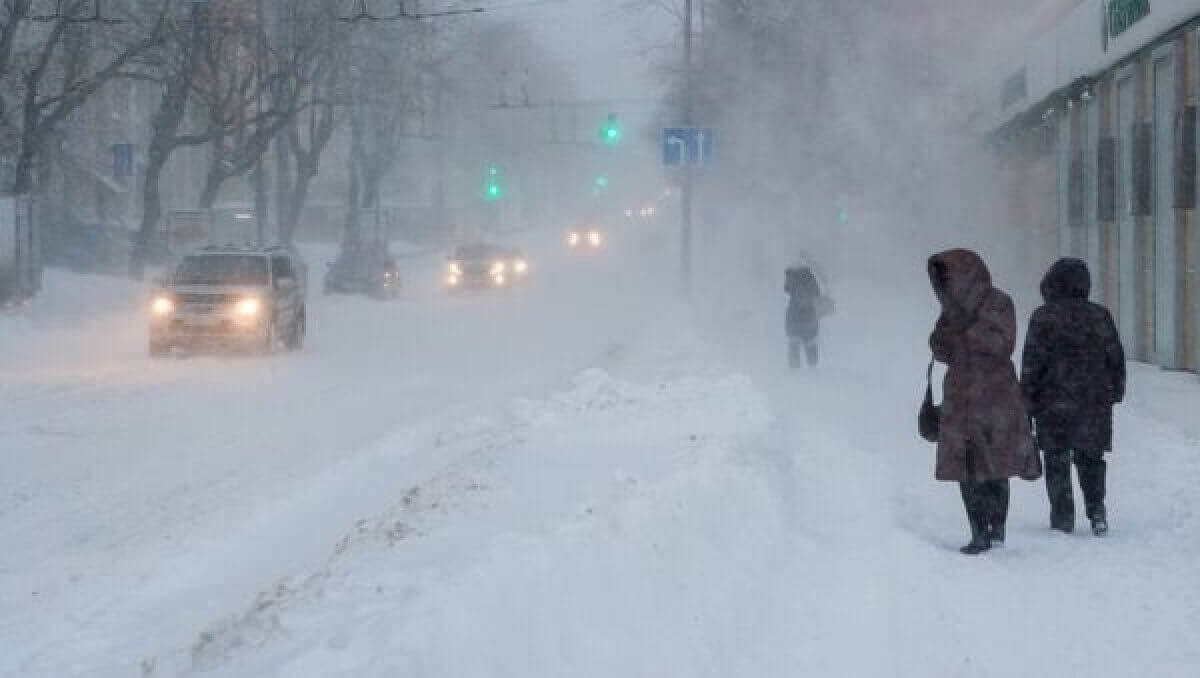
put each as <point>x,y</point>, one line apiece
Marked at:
<point>1044,604</point>
<point>669,517</point>
<point>616,528</point>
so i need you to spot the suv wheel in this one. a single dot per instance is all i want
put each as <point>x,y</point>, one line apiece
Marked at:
<point>159,349</point>
<point>268,345</point>
<point>295,338</point>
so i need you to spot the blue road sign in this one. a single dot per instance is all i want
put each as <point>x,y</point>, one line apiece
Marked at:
<point>122,160</point>
<point>688,146</point>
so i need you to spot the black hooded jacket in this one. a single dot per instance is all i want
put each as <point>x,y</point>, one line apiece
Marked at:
<point>1073,366</point>
<point>803,291</point>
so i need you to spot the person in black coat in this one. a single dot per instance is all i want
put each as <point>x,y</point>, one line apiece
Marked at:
<point>803,323</point>
<point>1072,373</point>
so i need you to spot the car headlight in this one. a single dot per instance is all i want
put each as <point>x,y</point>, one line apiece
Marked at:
<point>573,239</point>
<point>455,269</point>
<point>500,279</point>
<point>594,238</point>
<point>162,305</point>
<point>499,268</point>
<point>452,280</point>
<point>247,308</point>
<point>521,266</point>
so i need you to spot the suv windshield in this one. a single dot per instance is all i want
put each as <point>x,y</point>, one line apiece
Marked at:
<point>222,270</point>
<point>468,252</point>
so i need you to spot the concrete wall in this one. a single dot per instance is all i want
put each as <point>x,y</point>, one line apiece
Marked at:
<point>1144,258</point>
<point>1074,47</point>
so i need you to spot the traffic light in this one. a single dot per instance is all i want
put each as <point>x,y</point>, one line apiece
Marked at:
<point>493,188</point>
<point>601,183</point>
<point>611,132</point>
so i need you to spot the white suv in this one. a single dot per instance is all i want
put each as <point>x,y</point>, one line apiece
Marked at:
<point>225,297</point>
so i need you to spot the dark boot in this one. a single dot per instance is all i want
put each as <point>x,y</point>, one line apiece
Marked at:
<point>1099,520</point>
<point>810,350</point>
<point>972,496</point>
<point>793,353</point>
<point>1059,491</point>
<point>998,492</point>
<point>1092,471</point>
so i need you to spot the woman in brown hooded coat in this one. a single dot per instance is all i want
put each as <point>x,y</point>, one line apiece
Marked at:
<point>984,435</point>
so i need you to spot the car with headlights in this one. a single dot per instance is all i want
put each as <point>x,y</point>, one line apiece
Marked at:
<point>585,239</point>
<point>485,267</point>
<point>366,271</point>
<point>230,298</point>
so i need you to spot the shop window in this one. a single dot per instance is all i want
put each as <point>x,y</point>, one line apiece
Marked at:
<point>1141,183</point>
<point>1185,159</point>
<point>1106,179</point>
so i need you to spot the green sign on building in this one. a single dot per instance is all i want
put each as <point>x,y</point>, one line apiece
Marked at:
<point>1122,14</point>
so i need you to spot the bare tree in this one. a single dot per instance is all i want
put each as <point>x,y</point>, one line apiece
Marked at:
<point>50,65</point>
<point>212,82</point>
<point>249,104</point>
<point>384,81</point>
<point>175,70</point>
<point>307,136</point>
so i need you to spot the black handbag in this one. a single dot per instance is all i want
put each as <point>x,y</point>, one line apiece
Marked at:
<point>930,416</point>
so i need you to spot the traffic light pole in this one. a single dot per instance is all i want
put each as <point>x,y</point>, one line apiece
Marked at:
<point>685,234</point>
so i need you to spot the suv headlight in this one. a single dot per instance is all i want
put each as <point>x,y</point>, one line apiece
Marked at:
<point>455,269</point>
<point>162,305</point>
<point>521,266</point>
<point>498,268</point>
<point>248,307</point>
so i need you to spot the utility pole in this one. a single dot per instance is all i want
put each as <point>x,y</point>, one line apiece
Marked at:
<point>260,186</point>
<point>283,183</point>
<point>685,235</point>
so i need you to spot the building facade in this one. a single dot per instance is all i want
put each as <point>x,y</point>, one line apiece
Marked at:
<point>1095,124</point>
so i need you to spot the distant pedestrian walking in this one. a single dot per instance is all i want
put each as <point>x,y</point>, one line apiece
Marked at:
<point>982,430</point>
<point>803,314</point>
<point>1072,373</point>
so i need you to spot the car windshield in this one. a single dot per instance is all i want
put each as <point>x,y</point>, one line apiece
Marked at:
<point>222,270</point>
<point>468,252</point>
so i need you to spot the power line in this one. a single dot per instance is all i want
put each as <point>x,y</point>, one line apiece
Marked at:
<point>527,4</point>
<point>361,12</point>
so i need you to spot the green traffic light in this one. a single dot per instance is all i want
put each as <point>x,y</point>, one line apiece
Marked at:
<point>610,132</point>
<point>602,181</point>
<point>492,190</point>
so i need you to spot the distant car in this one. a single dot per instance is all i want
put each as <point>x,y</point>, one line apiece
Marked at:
<point>224,297</point>
<point>368,271</point>
<point>482,266</point>
<point>590,238</point>
<point>519,264</point>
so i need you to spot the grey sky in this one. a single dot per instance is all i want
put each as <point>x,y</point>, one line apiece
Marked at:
<point>598,41</point>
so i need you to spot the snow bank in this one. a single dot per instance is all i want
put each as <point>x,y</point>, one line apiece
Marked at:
<point>584,530</point>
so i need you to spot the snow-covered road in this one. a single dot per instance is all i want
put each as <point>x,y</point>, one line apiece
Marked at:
<point>139,498</point>
<point>468,488</point>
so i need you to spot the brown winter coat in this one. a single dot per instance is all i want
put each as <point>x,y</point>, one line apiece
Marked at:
<point>982,412</point>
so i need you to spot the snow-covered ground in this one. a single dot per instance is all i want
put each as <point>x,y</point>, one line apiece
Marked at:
<point>587,479</point>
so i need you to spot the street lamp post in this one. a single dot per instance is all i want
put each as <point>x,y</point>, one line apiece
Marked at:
<point>685,235</point>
